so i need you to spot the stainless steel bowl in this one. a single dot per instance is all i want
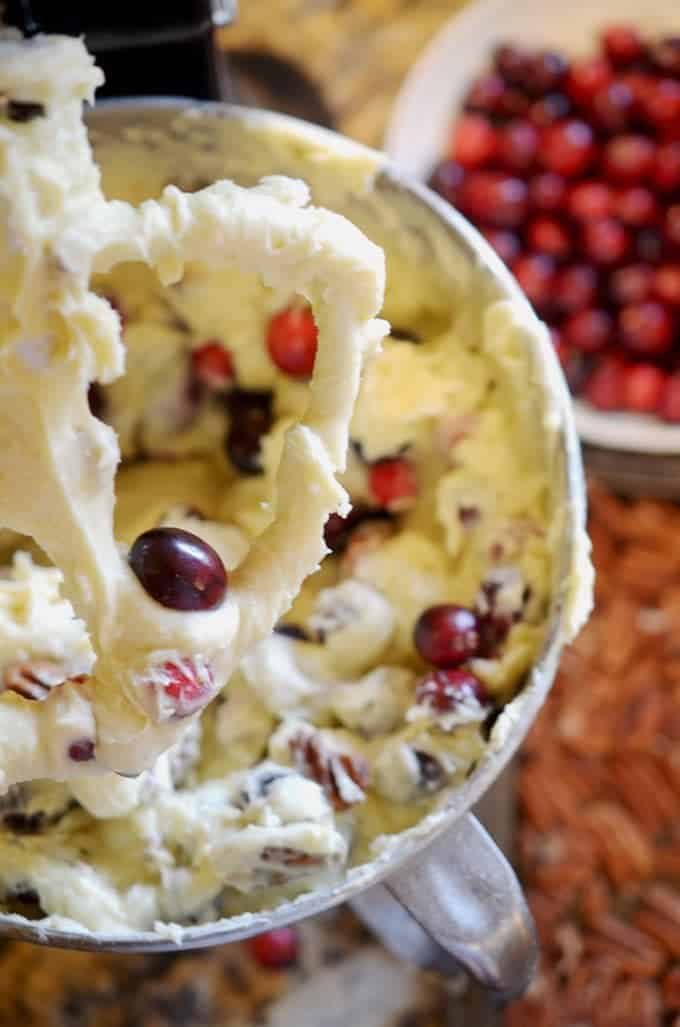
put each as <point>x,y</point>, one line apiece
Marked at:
<point>442,889</point>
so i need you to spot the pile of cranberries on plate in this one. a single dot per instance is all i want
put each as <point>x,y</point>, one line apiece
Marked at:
<point>571,170</point>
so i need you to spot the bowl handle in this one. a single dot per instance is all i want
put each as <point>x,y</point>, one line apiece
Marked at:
<point>458,903</point>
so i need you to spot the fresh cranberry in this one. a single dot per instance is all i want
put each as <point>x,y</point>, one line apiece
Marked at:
<point>189,689</point>
<point>636,206</point>
<point>576,288</point>
<point>514,103</point>
<point>649,245</point>
<point>547,235</point>
<point>178,569</point>
<point>212,365</point>
<point>568,147</point>
<point>251,417</point>
<point>641,86</point>
<point>275,949</point>
<point>666,174</point>
<point>631,284</point>
<point>447,635</point>
<point>512,64</point>
<point>671,225</point>
<point>669,407</point>
<point>644,388</point>
<point>588,330</point>
<point>605,387</point>
<point>485,94</point>
<point>535,273</point>
<point>663,107</point>
<point>81,751</point>
<point>549,109</point>
<point>586,78</point>
<point>518,145</point>
<point>622,44</point>
<point>445,690</point>
<point>446,179</point>
<point>494,198</point>
<point>547,191</point>
<point>628,159</point>
<point>605,241</point>
<point>665,55</point>
<point>612,107</point>
<point>646,328</point>
<point>393,483</point>
<point>545,72</point>
<point>474,141</point>
<point>667,284</point>
<point>291,341</point>
<point>505,243</point>
<point>589,201</point>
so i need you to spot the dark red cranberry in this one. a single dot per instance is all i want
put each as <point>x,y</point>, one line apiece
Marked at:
<point>663,107</point>
<point>649,245</point>
<point>612,107</point>
<point>535,273</point>
<point>96,400</point>
<point>547,235</point>
<point>474,142</point>
<point>605,387</point>
<point>576,288</point>
<point>446,180</point>
<point>251,418</point>
<point>213,365</point>
<point>631,284</point>
<point>665,55</point>
<point>666,174</point>
<point>644,388</point>
<point>547,191</point>
<point>505,243</point>
<point>605,241</point>
<point>338,530</point>
<point>492,197</point>
<point>568,148</point>
<point>622,44</point>
<point>178,569</point>
<point>589,201</point>
<point>485,94</point>
<point>667,284</point>
<point>549,109</point>
<point>512,64</point>
<point>291,341</point>
<point>447,635</point>
<point>275,949</point>
<point>188,689</point>
<point>636,206</point>
<point>646,328</point>
<point>629,159</point>
<point>81,751</point>
<point>669,407</point>
<point>514,103</point>
<point>393,483</point>
<point>586,78</point>
<point>518,145</point>
<point>671,225</point>
<point>545,72</point>
<point>589,330</point>
<point>446,690</point>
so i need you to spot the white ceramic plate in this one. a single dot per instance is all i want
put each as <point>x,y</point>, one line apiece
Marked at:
<point>434,90</point>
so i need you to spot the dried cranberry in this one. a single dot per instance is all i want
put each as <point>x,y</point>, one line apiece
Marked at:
<point>644,388</point>
<point>446,180</point>
<point>547,191</point>
<point>446,690</point>
<point>186,686</point>
<point>505,243</point>
<point>589,201</point>
<point>485,94</point>
<point>612,107</point>
<point>622,44</point>
<point>605,387</point>
<point>447,635</point>
<point>81,751</point>
<point>251,418</point>
<point>646,328</point>
<point>517,145</point>
<point>586,78</point>
<point>576,288</point>
<point>178,569</point>
<point>292,340</point>
<point>212,365</point>
<point>667,284</point>
<point>393,483</point>
<point>636,206</point>
<point>474,141</point>
<point>535,273</point>
<point>631,284</point>
<point>666,175</point>
<point>605,241</point>
<point>338,530</point>
<point>663,107</point>
<point>669,407</point>
<point>494,198</point>
<point>568,147</point>
<point>589,330</point>
<point>629,159</point>
<point>549,109</point>
<point>547,235</point>
<point>275,949</point>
